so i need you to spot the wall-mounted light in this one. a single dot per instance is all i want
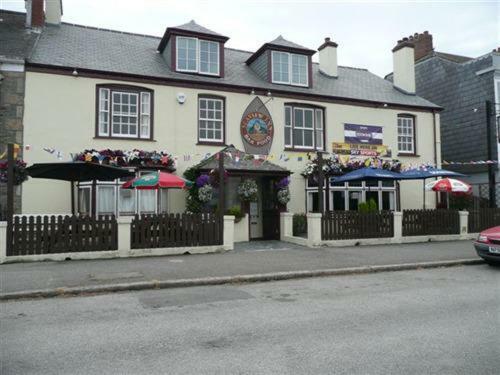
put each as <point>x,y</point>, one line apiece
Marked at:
<point>181,97</point>
<point>475,110</point>
<point>269,94</point>
<point>252,92</point>
<point>386,105</point>
<point>75,72</point>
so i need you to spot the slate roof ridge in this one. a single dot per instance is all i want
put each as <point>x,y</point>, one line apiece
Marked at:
<point>106,30</point>
<point>474,59</point>
<point>195,27</point>
<point>11,11</point>
<point>238,50</point>
<point>281,41</point>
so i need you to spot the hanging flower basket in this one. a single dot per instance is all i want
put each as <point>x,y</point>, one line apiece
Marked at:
<point>283,196</point>
<point>248,190</point>
<point>20,174</point>
<point>205,193</point>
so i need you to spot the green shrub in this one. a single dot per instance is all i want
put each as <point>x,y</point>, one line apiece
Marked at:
<point>299,224</point>
<point>236,212</point>
<point>370,206</point>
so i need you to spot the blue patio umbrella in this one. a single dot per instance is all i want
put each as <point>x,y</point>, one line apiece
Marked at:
<point>423,174</point>
<point>368,174</point>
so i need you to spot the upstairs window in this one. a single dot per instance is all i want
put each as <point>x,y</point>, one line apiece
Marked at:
<point>210,119</point>
<point>304,128</point>
<point>406,134</point>
<point>197,56</point>
<point>124,112</point>
<point>289,68</point>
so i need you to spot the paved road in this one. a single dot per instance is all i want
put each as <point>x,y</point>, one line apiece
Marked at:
<point>249,258</point>
<point>440,321</point>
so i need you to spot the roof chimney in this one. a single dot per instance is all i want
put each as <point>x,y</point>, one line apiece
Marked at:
<point>53,11</point>
<point>403,56</point>
<point>328,58</point>
<point>35,16</point>
<point>423,44</point>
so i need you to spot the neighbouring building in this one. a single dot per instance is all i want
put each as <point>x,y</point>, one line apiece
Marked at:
<point>461,85</point>
<point>191,96</point>
<point>17,36</point>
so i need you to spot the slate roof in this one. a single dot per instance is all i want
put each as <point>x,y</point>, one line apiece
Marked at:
<point>242,162</point>
<point>447,56</point>
<point>16,42</point>
<point>280,41</point>
<point>195,28</point>
<point>83,47</point>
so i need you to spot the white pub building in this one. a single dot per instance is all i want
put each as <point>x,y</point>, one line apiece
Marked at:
<point>190,96</point>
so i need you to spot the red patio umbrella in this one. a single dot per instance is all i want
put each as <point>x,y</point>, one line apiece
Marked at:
<point>449,185</point>
<point>157,180</point>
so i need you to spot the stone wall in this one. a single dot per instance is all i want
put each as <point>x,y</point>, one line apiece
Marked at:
<point>11,123</point>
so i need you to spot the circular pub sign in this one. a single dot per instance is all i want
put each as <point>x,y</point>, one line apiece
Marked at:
<point>257,129</point>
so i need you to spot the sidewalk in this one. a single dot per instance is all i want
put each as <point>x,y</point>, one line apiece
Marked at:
<point>271,257</point>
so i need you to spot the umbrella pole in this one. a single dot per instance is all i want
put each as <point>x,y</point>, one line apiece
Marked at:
<point>94,196</point>
<point>72,197</point>
<point>423,187</point>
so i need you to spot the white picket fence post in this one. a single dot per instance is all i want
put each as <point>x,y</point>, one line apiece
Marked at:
<point>314,229</point>
<point>286,225</point>
<point>228,232</point>
<point>464,221</point>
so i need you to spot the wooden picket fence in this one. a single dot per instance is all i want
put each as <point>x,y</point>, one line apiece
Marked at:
<point>51,234</point>
<point>430,222</point>
<point>175,230</point>
<point>483,218</point>
<point>345,225</point>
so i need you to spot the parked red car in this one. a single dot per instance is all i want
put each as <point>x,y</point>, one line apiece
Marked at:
<point>488,246</point>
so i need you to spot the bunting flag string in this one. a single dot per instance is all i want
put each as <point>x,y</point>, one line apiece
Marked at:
<point>284,157</point>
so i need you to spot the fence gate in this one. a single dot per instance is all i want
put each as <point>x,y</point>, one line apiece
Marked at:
<point>175,230</point>
<point>32,235</point>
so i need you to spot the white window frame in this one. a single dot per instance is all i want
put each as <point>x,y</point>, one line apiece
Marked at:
<point>198,58</point>
<point>290,70</point>
<point>406,120</point>
<point>116,185</point>
<point>292,127</point>
<point>177,55</point>
<point>143,118</point>
<point>105,111</point>
<point>362,189</point>
<point>221,120</point>
<point>145,115</point>
<point>123,114</point>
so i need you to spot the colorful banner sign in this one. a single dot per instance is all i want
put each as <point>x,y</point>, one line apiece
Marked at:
<point>357,149</point>
<point>363,134</point>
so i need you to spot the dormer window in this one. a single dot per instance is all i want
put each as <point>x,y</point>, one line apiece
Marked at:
<point>283,62</point>
<point>194,49</point>
<point>289,68</point>
<point>197,56</point>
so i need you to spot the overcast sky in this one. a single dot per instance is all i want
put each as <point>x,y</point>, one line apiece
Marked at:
<point>366,31</point>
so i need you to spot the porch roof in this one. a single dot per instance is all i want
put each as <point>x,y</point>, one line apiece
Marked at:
<point>240,162</point>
